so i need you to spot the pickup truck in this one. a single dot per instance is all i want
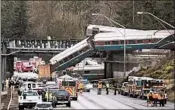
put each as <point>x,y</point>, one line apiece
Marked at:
<point>87,85</point>
<point>28,99</point>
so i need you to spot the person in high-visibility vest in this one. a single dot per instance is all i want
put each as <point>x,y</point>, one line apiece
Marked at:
<point>99,87</point>
<point>7,83</point>
<point>155,98</point>
<point>80,87</point>
<point>165,96</point>
<point>48,96</point>
<point>160,98</point>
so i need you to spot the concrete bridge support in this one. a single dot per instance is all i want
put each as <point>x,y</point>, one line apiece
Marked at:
<point>108,67</point>
<point>10,66</point>
<point>114,65</point>
<point>7,63</point>
<point>3,61</point>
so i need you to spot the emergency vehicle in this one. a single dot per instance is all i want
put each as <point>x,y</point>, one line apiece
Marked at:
<point>71,85</point>
<point>134,86</point>
<point>124,89</point>
<point>158,85</point>
<point>146,86</point>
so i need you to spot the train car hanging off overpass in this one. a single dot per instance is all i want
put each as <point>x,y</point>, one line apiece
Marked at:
<point>111,41</point>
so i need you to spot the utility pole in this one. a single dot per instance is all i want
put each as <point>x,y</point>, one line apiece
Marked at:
<point>133,11</point>
<point>0,63</point>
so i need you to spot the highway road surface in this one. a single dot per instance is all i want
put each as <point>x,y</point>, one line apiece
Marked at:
<point>90,100</point>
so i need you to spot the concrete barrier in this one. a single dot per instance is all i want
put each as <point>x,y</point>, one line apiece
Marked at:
<point>4,93</point>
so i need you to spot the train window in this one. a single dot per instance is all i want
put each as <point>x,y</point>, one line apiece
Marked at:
<point>115,42</point>
<point>139,41</point>
<point>95,31</point>
<point>121,42</point>
<point>71,56</point>
<point>107,43</point>
<point>154,40</point>
<point>84,49</point>
<point>66,59</point>
<point>75,54</point>
<point>29,85</point>
<point>62,61</point>
<point>86,72</point>
<point>131,41</point>
<point>33,85</point>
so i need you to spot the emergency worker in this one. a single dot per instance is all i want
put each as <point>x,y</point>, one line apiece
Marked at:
<point>3,85</point>
<point>155,98</point>
<point>149,99</point>
<point>80,87</point>
<point>107,87</point>
<point>99,87</point>
<point>115,88</point>
<point>165,96</point>
<point>48,96</point>
<point>160,98</point>
<point>7,83</point>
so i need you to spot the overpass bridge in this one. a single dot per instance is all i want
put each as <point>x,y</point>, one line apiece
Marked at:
<point>73,51</point>
<point>113,41</point>
<point>24,48</point>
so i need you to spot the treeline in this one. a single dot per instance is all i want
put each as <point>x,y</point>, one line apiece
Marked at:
<point>68,19</point>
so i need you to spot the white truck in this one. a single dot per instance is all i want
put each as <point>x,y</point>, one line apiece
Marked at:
<point>28,99</point>
<point>27,85</point>
<point>87,85</point>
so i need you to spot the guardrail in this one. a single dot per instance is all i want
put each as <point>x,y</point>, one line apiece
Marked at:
<point>121,79</point>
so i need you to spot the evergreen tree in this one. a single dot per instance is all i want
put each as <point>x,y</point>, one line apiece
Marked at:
<point>14,19</point>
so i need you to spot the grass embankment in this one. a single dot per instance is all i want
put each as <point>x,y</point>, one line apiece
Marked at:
<point>163,70</point>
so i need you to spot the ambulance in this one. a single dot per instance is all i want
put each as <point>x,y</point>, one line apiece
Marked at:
<point>71,85</point>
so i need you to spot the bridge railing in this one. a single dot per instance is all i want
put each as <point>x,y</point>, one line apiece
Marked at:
<point>41,44</point>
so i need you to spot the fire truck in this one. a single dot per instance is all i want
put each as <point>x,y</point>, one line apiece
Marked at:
<point>158,85</point>
<point>141,86</point>
<point>146,86</point>
<point>134,86</point>
<point>24,66</point>
<point>71,85</point>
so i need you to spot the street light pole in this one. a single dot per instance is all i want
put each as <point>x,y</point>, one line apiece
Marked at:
<point>156,18</point>
<point>124,35</point>
<point>0,64</point>
<point>159,20</point>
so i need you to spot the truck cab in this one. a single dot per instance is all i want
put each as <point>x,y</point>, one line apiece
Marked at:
<point>28,99</point>
<point>87,85</point>
<point>146,83</point>
<point>28,85</point>
<point>124,89</point>
<point>70,85</point>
